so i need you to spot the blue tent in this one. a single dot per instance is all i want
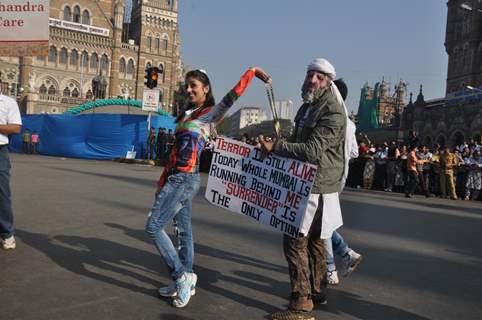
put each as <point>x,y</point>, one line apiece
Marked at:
<point>90,136</point>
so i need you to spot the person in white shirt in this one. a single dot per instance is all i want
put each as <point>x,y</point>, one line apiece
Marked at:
<point>10,123</point>
<point>474,176</point>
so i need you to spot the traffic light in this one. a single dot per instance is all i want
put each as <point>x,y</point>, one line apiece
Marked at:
<point>151,77</point>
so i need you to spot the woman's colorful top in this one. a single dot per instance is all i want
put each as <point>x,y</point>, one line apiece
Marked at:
<point>192,131</point>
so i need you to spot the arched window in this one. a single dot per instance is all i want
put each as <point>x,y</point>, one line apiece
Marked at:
<point>130,66</point>
<point>122,66</point>
<point>165,40</point>
<point>76,16</point>
<point>63,56</point>
<point>161,72</point>
<point>94,61</point>
<point>84,60</point>
<point>67,13</point>
<point>66,92</point>
<point>51,90</point>
<point>158,44</point>
<point>104,63</point>
<point>75,93</point>
<point>74,57</point>
<point>42,89</point>
<point>149,42</point>
<point>53,54</point>
<point>85,17</point>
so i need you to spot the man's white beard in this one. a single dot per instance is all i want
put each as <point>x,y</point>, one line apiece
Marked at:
<point>310,96</point>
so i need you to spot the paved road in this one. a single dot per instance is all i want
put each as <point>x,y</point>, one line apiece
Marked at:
<point>82,253</point>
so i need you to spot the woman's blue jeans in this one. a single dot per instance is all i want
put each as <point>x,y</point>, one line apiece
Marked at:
<point>336,245</point>
<point>174,200</point>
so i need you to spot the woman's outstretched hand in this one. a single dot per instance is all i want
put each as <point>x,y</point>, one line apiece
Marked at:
<point>261,74</point>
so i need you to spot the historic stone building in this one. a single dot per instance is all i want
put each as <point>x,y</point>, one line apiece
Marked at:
<point>463,44</point>
<point>379,107</point>
<point>457,116</point>
<point>89,38</point>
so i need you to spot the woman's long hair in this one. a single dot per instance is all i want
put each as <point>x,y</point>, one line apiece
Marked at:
<point>202,77</point>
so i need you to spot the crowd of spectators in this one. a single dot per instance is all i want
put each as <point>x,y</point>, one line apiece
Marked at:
<point>409,167</point>
<point>412,168</point>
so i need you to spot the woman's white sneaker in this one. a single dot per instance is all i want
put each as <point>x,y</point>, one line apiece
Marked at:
<point>9,243</point>
<point>171,291</point>
<point>184,285</point>
<point>332,277</point>
<point>351,260</point>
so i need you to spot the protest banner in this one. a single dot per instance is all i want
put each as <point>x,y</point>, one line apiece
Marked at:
<point>273,191</point>
<point>24,28</point>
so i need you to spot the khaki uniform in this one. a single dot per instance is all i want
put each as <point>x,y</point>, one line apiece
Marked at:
<point>447,164</point>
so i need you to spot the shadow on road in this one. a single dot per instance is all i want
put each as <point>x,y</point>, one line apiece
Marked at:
<point>447,262</point>
<point>79,254</point>
<point>138,181</point>
<point>412,223</point>
<point>420,200</point>
<point>207,251</point>
<point>174,316</point>
<point>95,258</point>
<point>209,278</point>
<point>348,303</point>
<point>340,301</point>
<point>454,206</point>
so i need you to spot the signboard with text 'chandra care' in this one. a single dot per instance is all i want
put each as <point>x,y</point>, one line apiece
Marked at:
<point>24,28</point>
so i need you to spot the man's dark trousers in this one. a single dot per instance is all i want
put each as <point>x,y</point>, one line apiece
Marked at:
<point>307,264</point>
<point>412,182</point>
<point>6,214</point>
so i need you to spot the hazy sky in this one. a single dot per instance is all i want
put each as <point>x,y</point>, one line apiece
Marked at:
<point>364,40</point>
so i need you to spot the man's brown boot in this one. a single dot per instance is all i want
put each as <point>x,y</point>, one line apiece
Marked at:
<point>319,299</point>
<point>301,304</point>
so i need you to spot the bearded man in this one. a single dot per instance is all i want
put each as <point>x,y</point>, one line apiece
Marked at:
<point>318,138</point>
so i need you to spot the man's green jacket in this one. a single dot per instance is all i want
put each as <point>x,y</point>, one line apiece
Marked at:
<point>319,138</point>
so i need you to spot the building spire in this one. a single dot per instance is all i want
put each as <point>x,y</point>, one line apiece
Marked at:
<point>420,98</point>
